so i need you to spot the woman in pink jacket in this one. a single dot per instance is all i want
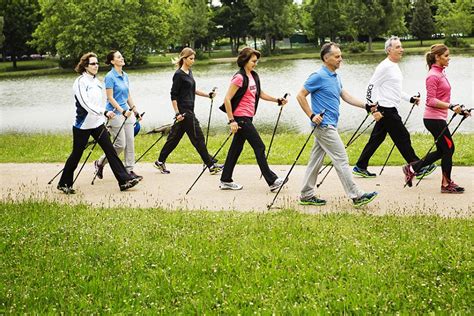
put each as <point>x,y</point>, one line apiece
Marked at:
<point>438,102</point>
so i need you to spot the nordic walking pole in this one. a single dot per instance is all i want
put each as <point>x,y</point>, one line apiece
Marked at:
<point>348,144</point>
<point>210,113</point>
<point>393,147</point>
<point>87,158</point>
<point>113,142</point>
<point>60,171</point>
<point>205,167</point>
<point>161,130</point>
<point>269,206</point>
<point>274,131</point>
<point>465,114</point>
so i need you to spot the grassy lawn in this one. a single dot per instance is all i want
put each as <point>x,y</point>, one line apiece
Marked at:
<point>56,148</point>
<point>64,259</point>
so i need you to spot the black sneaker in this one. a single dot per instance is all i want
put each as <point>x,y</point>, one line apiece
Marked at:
<point>66,189</point>
<point>129,184</point>
<point>312,201</point>
<point>366,198</point>
<point>426,171</point>
<point>161,166</point>
<point>136,176</point>
<point>278,183</point>
<point>215,169</point>
<point>364,173</point>
<point>99,169</point>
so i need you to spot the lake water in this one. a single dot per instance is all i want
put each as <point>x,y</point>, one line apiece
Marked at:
<point>46,103</point>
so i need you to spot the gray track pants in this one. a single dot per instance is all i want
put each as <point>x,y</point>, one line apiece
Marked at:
<point>327,141</point>
<point>125,141</point>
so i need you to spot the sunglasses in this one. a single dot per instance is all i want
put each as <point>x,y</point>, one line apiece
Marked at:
<point>93,64</point>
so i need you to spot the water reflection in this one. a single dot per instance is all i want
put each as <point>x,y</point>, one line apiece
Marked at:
<point>45,104</point>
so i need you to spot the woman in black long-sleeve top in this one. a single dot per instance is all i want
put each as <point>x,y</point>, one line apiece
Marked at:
<point>183,93</point>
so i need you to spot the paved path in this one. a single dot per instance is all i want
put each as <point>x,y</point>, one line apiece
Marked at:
<point>23,181</point>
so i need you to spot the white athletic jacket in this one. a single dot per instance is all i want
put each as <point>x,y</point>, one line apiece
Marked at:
<point>90,107</point>
<point>385,86</point>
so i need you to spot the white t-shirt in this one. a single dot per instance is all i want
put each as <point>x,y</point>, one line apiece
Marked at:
<point>385,86</point>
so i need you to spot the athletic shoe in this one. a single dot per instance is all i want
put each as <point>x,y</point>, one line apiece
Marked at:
<point>136,176</point>
<point>215,169</point>
<point>312,201</point>
<point>66,189</point>
<point>230,186</point>
<point>99,169</point>
<point>452,188</point>
<point>409,174</point>
<point>279,182</point>
<point>426,171</point>
<point>364,173</point>
<point>129,184</point>
<point>161,166</point>
<point>366,198</point>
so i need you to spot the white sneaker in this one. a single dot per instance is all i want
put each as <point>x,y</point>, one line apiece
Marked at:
<point>230,186</point>
<point>277,184</point>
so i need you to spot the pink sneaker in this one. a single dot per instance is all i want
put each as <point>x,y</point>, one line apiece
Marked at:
<point>409,174</point>
<point>452,188</point>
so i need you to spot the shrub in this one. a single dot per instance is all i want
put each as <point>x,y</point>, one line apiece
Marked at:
<point>355,47</point>
<point>452,41</point>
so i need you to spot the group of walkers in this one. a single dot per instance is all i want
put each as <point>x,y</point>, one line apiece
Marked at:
<point>240,105</point>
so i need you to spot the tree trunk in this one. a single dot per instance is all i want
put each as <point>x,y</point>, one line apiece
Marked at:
<point>255,43</point>
<point>370,43</point>
<point>14,60</point>
<point>268,42</point>
<point>421,41</point>
<point>192,44</point>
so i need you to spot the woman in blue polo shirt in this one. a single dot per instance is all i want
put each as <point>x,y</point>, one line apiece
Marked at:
<point>121,103</point>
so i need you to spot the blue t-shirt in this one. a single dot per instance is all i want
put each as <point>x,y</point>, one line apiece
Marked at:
<point>325,88</point>
<point>119,85</point>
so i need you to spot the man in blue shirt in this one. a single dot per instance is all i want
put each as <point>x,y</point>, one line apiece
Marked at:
<point>326,90</point>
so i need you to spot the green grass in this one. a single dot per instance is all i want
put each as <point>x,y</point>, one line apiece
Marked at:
<point>25,148</point>
<point>82,260</point>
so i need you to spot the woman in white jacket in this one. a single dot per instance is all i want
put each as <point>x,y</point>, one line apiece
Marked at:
<point>90,119</point>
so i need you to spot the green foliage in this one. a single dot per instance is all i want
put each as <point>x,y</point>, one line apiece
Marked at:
<point>192,18</point>
<point>422,26</point>
<point>20,20</point>
<point>354,47</point>
<point>273,18</point>
<point>235,17</point>
<point>454,19</point>
<point>134,27</point>
<point>452,41</point>
<point>64,259</point>
<point>321,18</point>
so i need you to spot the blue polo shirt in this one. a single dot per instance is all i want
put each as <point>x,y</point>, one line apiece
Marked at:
<point>325,87</point>
<point>119,85</point>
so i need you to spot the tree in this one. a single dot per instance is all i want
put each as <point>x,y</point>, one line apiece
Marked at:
<point>2,37</point>
<point>193,20</point>
<point>422,25</point>
<point>454,19</point>
<point>272,18</point>
<point>20,20</point>
<point>134,27</point>
<point>368,18</point>
<point>234,16</point>
<point>322,18</point>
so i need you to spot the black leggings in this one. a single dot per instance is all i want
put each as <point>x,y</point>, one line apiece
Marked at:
<point>80,138</point>
<point>391,124</point>
<point>190,126</point>
<point>247,132</point>
<point>444,147</point>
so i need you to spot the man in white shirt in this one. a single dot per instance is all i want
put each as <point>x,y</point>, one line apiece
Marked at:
<point>385,87</point>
